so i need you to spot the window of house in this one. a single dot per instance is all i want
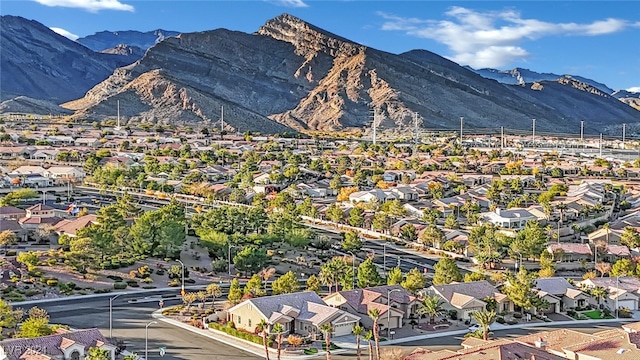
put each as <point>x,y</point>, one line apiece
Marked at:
<point>75,355</point>
<point>239,320</point>
<point>249,322</point>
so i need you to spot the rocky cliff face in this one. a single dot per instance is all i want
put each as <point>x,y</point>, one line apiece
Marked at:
<point>109,39</point>
<point>38,63</point>
<point>291,74</point>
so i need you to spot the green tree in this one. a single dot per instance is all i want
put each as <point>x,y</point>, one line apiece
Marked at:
<point>351,241</point>
<point>622,267</point>
<point>368,274</point>
<point>251,259</point>
<point>431,306</point>
<point>95,353</point>
<point>474,276</point>
<point>235,292</point>
<point>356,217</point>
<point>254,286</point>
<point>7,237</point>
<point>28,258</point>
<point>630,237</point>
<point>484,318</point>
<point>335,213</point>
<point>520,288</point>
<point>286,284</point>
<point>394,276</point>
<point>326,329</point>
<point>530,241</point>
<point>374,314</point>
<point>213,291</point>
<point>446,272</point>
<point>7,319</point>
<point>15,197</point>
<point>409,233</point>
<point>358,331</point>
<point>314,284</point>
<point>381,222</point>
<point>451,222</point>
<point>432,236</point>
<point>35,327</point>
<point>414,281</point>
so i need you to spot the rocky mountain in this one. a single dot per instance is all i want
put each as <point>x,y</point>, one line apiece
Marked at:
<point>110,39</point>
<point>38,63</point>
<point>131,53</point>
<point>291,74</point>
<point>630,98</point>
<point>520,76</point>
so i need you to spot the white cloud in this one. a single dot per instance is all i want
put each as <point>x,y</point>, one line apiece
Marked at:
<point>492,38</point>
<point>89,5</point>
<point>65,33</point>
<point>291,3</point>
<point>634,89</point>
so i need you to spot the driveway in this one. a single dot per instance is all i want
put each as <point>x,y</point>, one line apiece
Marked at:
<point>559,317</point>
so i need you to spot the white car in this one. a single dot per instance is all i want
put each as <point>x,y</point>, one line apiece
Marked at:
<point>475,327</point>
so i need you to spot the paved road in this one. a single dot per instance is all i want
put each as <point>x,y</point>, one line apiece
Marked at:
<point>129,322</point>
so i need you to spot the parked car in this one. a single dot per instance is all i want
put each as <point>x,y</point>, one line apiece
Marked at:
<point>475,327</point>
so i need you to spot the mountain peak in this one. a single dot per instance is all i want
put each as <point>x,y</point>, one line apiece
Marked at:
<point>307,38</point>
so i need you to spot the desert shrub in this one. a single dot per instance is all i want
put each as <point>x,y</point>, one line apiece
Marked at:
<point>147,280</point>
<point>52,282</point>
<point>52,261</point>
<point>517,315</point>
<point>120,285</point>
<point>114,278</point>
<point>500,320</point>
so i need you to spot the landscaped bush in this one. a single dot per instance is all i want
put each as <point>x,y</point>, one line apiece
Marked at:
<point>31,292</point>
<point>512,322</point>
<point>190,281</point>
<point>500,320</point>
<point>52,261</point>
<point>120,285</point>
<point>311,351</point>
<point>147,280</point>
<point>517,315</point>
<point>52,282</point>
<point>160,271</point>
<point>239,334</point>
<point>114,278</point>
<point>453,314</point>
<point>104,291</point>
<point>624,312</point>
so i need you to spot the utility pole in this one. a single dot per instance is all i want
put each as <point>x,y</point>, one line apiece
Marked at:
<point>118,121</point>
<point>533,134</point>
<point>624,134</point>
<point>221,119</point>
<point>600,145</point>
<point>415,125</point>
<point>461,124</point>
<point>501,137</point>
<point>375,118</point>
<point>582,133</point>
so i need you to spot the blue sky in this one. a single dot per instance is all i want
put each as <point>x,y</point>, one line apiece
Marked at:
<point>596,39</point>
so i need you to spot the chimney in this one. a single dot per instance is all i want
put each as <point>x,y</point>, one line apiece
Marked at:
<point>540,343</point>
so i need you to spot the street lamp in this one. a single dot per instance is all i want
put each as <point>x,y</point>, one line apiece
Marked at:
<point>384,257</point>
<point>111,315</point>
<point>353,270</point>
<point>389,309</point>
<point>617,295</point>
<point>229,255</point>
<point>182,264</point>
<point>517,261</point>
<point>146,339</point>
<point>559,221</point>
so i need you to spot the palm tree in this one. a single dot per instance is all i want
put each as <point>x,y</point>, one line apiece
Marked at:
<point>374,314</point>
<point>214,291</point>
<point>369,336</point>
<point>484,318</point>
<point>326,329</point>
<point>357,331</point>
<point>432,306</point>
<point>607,230</point>
<point>277,329</point>
<point>599,293</point>
<point>562,207</point>
<point>577,230</point>
<point>263,329</point>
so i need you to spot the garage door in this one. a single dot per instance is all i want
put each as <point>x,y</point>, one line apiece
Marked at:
<point>630,303</point>
<point>342,329</point>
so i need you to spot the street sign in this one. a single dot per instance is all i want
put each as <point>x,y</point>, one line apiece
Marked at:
<point>163,350</point>
<point>161,303</point>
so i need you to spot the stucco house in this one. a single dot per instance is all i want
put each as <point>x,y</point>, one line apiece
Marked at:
<point>514,219</point>
<point>63,345</point>
<point>359,301</point>
<point>561,294</point>
<point>468,297</point>
<point>300,313</point>
<point>623,291</point>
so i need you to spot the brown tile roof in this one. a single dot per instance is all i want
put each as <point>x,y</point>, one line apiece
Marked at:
<point>71,226</point>
<point>66,343</point>
<point>623,346</point>
<point>476,289</point>
<point>34,355</point>
<point>557,339</point>
<point>633,327</point>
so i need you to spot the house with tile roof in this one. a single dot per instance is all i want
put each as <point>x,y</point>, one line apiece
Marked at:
<point>623,291</point>
<point>401,304</point>
<point>69,227</point>
<point>63,345</point>
<point>11,212</point>
<point>513,219</point>
<point>37,215</point>
<point>466,298</point>
<point>300,313</point>
<point>560,294</point>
